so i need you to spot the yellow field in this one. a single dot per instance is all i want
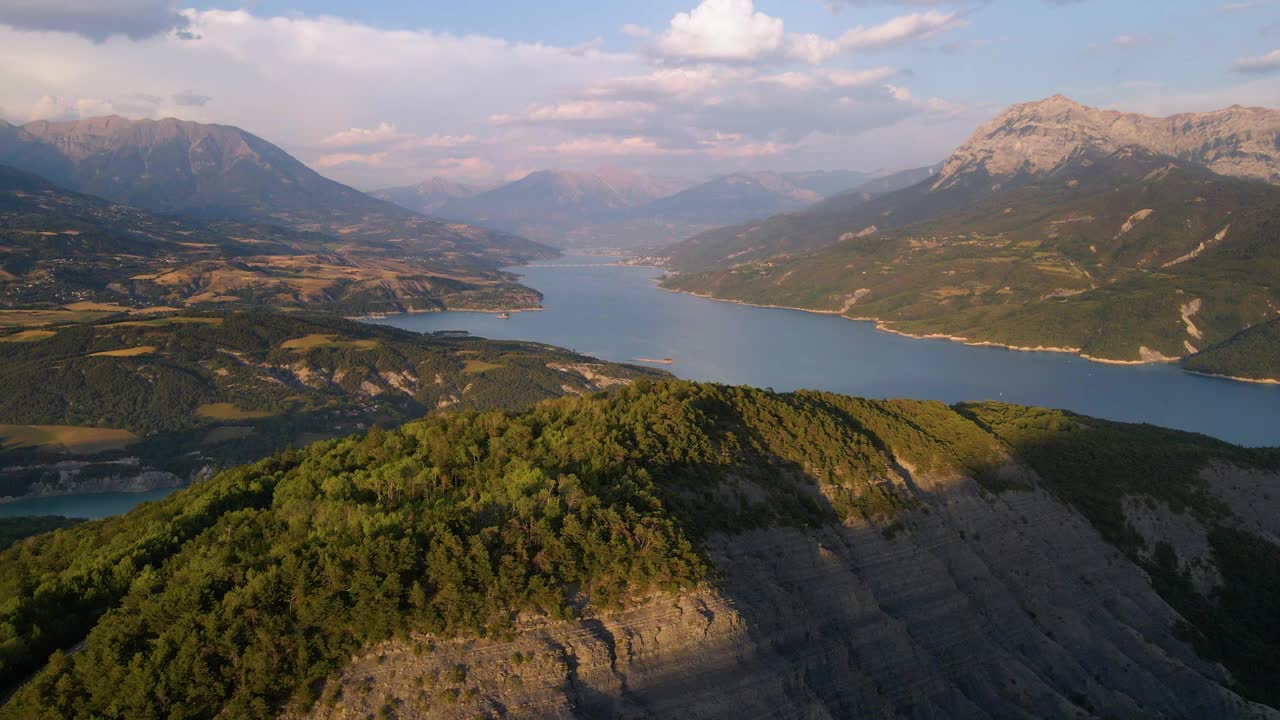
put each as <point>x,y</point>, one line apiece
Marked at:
<point>228,411</point>
<point>71,437</point>
<point>12,318</point>
<point>307,342</point>
<point>104,307</point>
<point>478,366</point>
<point>161,322</point>
<point>126,352</point>
<point>29,336</point>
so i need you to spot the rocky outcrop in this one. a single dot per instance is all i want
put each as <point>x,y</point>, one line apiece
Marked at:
<point>973,605</point>
<point>127,476</point>
<point>1041,136</point>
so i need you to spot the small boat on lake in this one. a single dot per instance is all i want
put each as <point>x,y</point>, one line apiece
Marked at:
<point>503,316</point>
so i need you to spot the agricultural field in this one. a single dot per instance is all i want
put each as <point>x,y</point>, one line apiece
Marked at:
<point>323,340</point>
<point>229,411</point>
<point>29,336</point>
<point>72,438</point>
<point>126,352</point>
<point>473,367</point>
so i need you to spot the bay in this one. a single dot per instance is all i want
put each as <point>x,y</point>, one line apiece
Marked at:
<point>617,312</point>
<point>91,506</point>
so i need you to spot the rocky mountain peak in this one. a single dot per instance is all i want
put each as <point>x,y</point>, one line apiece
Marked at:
<point>1040,137</point>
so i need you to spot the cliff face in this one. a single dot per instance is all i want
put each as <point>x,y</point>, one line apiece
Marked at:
<point>975,606</point>
<point>1042,136</point>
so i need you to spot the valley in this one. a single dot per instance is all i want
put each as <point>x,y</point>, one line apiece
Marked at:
<point>331,470</point>
<point>1111,251</point>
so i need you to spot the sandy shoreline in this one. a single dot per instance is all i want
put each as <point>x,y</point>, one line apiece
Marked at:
<point>1255,381</point>
<point>882,327</point>
<point>384,316</point>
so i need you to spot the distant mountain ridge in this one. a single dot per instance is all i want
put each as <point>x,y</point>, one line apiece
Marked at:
<point>612,207</point>
<point>426,196</point>
<point>221,171</point>
<point>1026,142</point>
<point>1041,136</point>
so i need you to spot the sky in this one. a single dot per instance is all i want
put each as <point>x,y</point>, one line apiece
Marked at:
<point>382,92</point>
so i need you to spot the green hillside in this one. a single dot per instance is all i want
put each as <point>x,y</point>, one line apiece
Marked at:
<point>59,247</point>
<point>1253,354</point>
<point>1128,258</point>
<point>239,596</point>
<point>218,388</point>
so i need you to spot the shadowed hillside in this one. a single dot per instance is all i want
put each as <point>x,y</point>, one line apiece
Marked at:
<point>675,549</point>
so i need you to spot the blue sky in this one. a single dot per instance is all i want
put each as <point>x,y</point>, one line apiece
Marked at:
<point>383,92</point>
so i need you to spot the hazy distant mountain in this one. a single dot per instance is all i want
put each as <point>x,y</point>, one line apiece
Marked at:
<point>1026,142</point>
<point>637,188</point>
<point>615,208</point>
<point>828,182</point>
<point>732,198</point>
<point>219,171</point>
<point>427,196</point>
<point>892,182</point>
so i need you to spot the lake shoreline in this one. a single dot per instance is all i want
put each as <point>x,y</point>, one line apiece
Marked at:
<point>882,326</point>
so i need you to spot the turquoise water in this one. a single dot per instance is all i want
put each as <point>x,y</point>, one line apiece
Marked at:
<point>81,506</point>
<point>618,313</point>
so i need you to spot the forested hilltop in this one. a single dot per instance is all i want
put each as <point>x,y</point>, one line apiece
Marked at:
<point>674,547</point>
<point>123,397</point>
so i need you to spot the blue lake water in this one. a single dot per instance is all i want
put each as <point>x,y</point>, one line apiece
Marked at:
<point>81,506</point>
<point>618,313</point>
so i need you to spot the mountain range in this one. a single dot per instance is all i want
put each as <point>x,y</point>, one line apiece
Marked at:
<point>170,212</point>
<point>1042,230</point>
<point>222,172</point>
<point>614,208</point>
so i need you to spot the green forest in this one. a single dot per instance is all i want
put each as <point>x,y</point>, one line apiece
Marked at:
<point>231,387</point>
<point>239,596</point>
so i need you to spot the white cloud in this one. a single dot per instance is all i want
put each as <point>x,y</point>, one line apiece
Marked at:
<point>733,31</point>
<point>463,168</point>
<point>1260,64</point>
<point>811,48</point>
<point>357,137</point>
<point>298,80</point>
<point>899,30</point>
<point>577,110</point>
<point>337,94</point>
<point>51,107</point>
<point>722,30</point>
<point>325,162</point>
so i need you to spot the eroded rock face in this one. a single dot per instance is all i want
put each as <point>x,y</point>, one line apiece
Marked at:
<point>1041,136</point>
<point>973,605</point>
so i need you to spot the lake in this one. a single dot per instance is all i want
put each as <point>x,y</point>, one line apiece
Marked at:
<point>94,506</point>
<point>618,313</point>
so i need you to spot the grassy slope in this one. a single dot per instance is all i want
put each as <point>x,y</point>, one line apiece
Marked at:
<point>264,371</point>
<point>57,247</point>
<point>1254,354</point>
<point>241,594</point>
<point>1050,264</point>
